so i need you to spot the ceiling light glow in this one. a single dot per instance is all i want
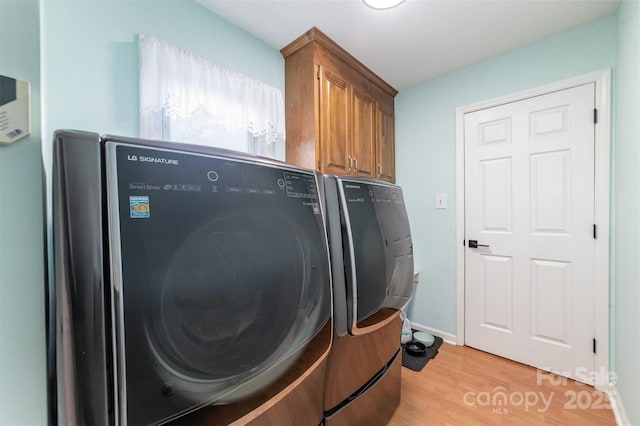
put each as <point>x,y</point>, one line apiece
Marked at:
<point>382,4</point>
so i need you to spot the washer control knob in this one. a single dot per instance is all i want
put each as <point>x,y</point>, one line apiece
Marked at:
<point>212,176</point>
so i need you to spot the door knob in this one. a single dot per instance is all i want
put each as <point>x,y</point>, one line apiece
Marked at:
<point>474,244</point>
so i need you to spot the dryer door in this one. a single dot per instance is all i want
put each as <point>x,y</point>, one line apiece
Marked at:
<point>221,276</point>
<point>380,252</point>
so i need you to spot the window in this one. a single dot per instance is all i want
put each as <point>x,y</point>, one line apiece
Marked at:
<point>187,98</point>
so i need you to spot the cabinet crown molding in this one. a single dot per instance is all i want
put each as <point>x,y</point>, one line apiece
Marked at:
<point>317,36</point>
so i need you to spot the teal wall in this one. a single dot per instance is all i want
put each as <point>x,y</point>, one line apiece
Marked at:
<point>627,209</point>
<point>426,147</point>
<point>23,399</point>
<point>91,56</point>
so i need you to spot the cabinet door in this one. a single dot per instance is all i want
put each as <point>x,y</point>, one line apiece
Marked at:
<point>385,144</point>
<point>364,154</point>
<point>334,124</point>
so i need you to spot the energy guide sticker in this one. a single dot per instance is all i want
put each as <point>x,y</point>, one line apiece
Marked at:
<point>139,206</point>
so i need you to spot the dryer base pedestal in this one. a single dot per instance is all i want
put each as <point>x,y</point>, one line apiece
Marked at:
<point>376,405</point>
<point>356,359</point>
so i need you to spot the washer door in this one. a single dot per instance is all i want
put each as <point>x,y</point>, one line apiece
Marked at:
<point>230,296</point>
<point>223,280</point>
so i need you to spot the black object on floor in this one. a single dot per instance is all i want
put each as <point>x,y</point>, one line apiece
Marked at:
<point>417,363</point>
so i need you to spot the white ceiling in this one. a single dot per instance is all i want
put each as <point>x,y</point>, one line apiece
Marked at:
<point>419,39</point>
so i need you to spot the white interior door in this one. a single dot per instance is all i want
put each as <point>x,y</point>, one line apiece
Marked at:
<point>529,197</point>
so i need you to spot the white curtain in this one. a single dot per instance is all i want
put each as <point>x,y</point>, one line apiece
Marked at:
<point>182,90</point>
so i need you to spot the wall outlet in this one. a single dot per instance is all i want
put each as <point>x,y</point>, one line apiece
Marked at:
<point>416,277</point>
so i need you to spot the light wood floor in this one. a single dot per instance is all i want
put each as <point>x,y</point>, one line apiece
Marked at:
<point>464,386</point>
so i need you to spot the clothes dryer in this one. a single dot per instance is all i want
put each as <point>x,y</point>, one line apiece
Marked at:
<point>372,265</point>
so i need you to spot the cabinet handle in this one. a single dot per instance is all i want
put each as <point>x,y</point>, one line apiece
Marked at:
<point>350,163</point>
<point>379,169</point>
<point>356,162</point>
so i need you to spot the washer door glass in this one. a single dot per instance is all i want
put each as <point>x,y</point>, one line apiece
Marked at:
<point>224,277</point>
<point>214,315</point>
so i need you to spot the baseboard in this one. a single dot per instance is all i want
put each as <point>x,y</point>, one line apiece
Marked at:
<point>622,419</point>
<point>447,337</point>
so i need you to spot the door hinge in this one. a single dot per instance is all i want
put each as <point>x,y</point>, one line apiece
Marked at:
<point>595,232</point>
<point>595,116</point>
<point>319,164</point>
<point>594,346</point>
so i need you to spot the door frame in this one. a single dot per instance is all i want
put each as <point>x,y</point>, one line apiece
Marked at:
<point>602,80</point>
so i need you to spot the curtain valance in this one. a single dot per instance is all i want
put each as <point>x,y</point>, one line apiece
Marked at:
<point>178,83</point>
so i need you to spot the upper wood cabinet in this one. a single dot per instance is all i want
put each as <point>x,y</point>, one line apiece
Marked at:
<point>339,114</point>
<point>385,144</point>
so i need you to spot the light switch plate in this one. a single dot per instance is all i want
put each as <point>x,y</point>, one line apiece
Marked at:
<point>441,201</point>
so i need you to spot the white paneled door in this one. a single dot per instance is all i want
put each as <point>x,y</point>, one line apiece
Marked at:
<point>529,206</point>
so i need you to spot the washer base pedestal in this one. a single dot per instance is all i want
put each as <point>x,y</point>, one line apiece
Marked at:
<point>295,399</point>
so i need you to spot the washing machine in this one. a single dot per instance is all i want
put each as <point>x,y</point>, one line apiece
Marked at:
<point>372,265</point>
<point>191,285</point>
